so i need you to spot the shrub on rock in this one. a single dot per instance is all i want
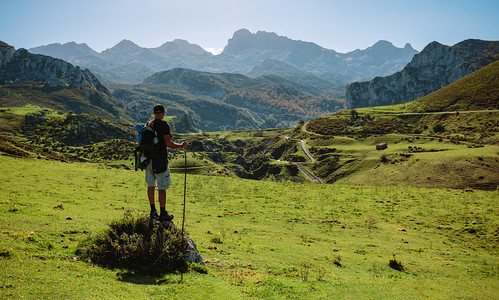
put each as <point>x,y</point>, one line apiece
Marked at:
<point>131,243</point>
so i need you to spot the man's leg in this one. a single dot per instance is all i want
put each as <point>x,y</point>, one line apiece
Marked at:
<point>150,194</point>
<point>151,187</point>
<point>163,214</point>
<point>162,199</point>
<point>163,180</point>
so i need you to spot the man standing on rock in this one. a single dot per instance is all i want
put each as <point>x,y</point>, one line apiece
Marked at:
<point>162,179</point>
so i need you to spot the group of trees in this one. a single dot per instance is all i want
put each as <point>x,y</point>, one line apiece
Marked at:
<point>286,99</point>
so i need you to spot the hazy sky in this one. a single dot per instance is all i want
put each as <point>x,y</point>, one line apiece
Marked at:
<point>339,25</point>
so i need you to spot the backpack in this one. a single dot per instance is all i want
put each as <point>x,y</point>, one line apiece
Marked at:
<point>147,144</point>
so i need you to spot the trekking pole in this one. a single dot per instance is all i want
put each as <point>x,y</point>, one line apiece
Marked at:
<point>185,185</point>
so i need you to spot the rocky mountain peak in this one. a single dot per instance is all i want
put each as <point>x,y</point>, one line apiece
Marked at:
<point>433,68</point>
<point>124,46</point>
<point>179,45</point>
<point>242,33</point>
<point>243,39</point>
<point>382,44</point>
<point>21,65</point>
<point>67,51</point>
<point>387,50</point>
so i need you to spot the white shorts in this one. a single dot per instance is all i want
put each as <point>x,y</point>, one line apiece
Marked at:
<point>161,180</point>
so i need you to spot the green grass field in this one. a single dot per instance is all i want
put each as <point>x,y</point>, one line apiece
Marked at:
<point>260,239</point>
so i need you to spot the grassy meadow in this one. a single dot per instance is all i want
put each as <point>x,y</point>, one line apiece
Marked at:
<point>259,239</point>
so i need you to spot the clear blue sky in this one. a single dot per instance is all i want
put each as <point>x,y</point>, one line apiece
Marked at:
<point>339,25</point>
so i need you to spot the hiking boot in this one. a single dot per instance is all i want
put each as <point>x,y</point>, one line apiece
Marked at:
<point>165,218</point>
<point>154,218</point>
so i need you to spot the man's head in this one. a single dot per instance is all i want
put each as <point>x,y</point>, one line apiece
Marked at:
<point>159,111</point>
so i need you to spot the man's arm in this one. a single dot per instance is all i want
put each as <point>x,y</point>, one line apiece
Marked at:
<point>171,144</point>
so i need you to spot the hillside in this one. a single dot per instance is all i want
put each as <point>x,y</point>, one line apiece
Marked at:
<point>259,239</point>
<point>441,109</point>
<point>34,132</point>
<point>27,78</point>
<point>446,139</point>
<point>435,67</point>
<point>344,146</point>
<point>477,91</point>
<point>325,84</point>
<point>226,101</point>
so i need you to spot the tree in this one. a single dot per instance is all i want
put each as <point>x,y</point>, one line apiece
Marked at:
<point>354,114</point>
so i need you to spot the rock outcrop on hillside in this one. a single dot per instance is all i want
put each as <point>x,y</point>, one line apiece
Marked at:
<point>53,83</point>
<point>76,130</point>
<point>435,67</point>
<point>21,65</point>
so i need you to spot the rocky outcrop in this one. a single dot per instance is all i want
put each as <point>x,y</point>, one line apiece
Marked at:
<point>76,130</point>
<point>435,67</point>
<point>192,255</point>
<point>20,65</point>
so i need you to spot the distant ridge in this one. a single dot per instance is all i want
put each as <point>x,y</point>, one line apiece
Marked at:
<point>127,62</point>
<point>67,51</point>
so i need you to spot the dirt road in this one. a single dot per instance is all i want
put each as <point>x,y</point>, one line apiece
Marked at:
<point>300,166</point>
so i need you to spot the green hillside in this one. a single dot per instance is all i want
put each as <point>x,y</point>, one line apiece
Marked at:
<point>78,100</point>
<point>225,101</point>
<point>259,239</point>
<point>464,110</point>
<point>447,139</point>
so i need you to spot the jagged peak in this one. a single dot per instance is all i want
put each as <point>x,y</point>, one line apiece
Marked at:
<point>408,46</point>
<point>181,41</point>
<point>434,44</point>
<point>182,45</point>
<point>382,44</point>
<point>242,32</point>
<point>126,44</point>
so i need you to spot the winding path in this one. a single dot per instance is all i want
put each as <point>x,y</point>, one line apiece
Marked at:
<point>300,166</point>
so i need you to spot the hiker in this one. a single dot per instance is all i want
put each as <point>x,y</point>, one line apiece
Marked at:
<point>162,180</point>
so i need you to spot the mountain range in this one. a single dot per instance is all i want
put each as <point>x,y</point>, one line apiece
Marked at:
<point>285,80</point>
<point>129,63</point>
<point>195,100</point>
<point>226,101</point>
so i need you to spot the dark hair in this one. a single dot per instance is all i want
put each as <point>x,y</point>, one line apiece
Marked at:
<point>159,108</point>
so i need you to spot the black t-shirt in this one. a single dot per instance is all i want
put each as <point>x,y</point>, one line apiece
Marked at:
<point>162,128</point>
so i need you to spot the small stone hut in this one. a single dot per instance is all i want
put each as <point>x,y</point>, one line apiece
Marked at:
<point>381,146</point>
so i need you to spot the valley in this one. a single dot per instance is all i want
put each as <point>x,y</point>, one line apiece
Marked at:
<point>296,187</point>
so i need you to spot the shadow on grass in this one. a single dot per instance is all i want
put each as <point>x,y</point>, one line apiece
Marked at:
<point>146,279</point>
